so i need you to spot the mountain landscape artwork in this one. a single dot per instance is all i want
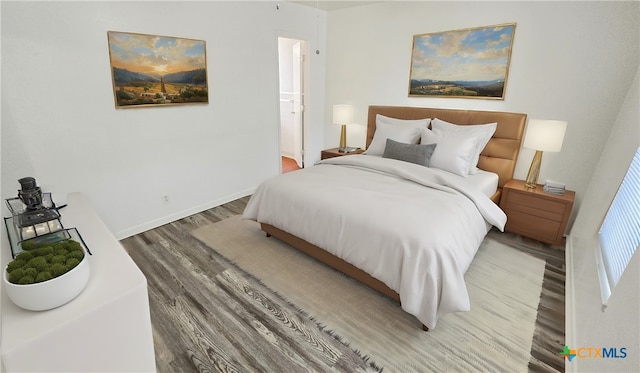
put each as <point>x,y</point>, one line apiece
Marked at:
<point>151,70</point>
<point>469,63</point>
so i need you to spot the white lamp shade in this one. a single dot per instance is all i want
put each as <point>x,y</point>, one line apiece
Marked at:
<point>545,135</point>
<point>343,114</point>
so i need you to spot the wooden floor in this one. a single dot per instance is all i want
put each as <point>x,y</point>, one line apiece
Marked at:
<point>549,337</point>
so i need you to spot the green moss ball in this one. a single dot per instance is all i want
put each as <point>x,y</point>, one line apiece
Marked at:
<point>31,272</point>
<point>24,256</point>
<point>39,263</point>
<point>26,280</point>
<point>57,269</point>
<point>72,262</point>
<point>58,259</point>
<point>74,245</point>
<point>61,251</point>
<point>44,276</point>
<point>59,245</point>
<point>75,254</point>
<point>44,250</point>
<point>15,264</point>
<point>28,245</point>
<point>16,275</point>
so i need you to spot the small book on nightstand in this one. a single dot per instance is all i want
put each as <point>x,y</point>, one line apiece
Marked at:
<point>348,149</point>
<point>553,187</point>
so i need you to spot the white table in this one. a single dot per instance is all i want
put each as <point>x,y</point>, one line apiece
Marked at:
<point>106,328</point>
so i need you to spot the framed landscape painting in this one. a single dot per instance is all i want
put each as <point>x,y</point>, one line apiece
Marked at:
<point>469,63</point>
<point>151,70</point>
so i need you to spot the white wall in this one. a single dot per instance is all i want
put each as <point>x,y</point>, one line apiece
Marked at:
<point>571,61</point>
<point>618,325</point>
<point>60,125</point>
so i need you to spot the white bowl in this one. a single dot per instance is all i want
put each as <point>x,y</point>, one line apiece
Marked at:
<point>52,293</point>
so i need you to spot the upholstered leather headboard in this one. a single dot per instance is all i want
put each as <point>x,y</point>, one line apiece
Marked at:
<point>500,154</point>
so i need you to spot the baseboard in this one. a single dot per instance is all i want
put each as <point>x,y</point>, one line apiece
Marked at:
<point>569,299</point>
<point>181,214</point>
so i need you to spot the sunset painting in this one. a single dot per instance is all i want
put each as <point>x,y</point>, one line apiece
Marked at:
<point>469,63</point>
<point>151,70</point>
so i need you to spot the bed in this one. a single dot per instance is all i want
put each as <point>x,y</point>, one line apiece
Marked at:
<point>406,230</point>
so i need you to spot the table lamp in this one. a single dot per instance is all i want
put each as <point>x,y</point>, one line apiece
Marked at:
<point>542,135</point>
<point>343,115</point>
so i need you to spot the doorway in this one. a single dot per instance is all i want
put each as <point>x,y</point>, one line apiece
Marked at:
<point>291,60</point>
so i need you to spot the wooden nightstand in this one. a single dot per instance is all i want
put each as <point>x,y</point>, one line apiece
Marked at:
<point>535,213</point>
<point>330,153</point>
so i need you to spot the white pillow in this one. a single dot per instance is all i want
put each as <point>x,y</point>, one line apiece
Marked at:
<point>400,130</point>
<point>452,154</point>
<point>480,132</point>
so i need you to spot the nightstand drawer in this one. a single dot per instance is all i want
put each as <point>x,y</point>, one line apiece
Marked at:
<point>533,226</point>
<point>529,202</point>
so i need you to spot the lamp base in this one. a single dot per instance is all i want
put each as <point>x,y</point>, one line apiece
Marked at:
<point>534,171</point>
<point>343,136</point>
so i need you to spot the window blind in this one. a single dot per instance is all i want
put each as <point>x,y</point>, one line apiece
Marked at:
<point>619,234</point>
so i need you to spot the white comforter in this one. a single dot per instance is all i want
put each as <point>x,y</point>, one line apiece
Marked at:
<point>414,228</point>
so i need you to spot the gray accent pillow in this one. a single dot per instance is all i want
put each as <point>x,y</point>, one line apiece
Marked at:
<point>414,153</point>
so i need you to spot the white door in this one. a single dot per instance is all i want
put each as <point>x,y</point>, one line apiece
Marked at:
<point>290,55</point>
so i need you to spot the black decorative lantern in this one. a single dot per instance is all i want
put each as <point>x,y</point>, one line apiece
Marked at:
<point>35,218</point>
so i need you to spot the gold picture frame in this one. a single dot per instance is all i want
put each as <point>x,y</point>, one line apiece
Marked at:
<point>466,63</point>
<point>153,70</point>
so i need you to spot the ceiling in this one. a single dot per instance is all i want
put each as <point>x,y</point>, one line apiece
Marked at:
<point>329,5</point>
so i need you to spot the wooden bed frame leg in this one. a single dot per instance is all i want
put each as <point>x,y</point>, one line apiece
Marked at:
<point>267,234</point>
<point>425,328</point>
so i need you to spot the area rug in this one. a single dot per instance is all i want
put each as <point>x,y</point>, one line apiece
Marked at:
<point>496,335</point>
